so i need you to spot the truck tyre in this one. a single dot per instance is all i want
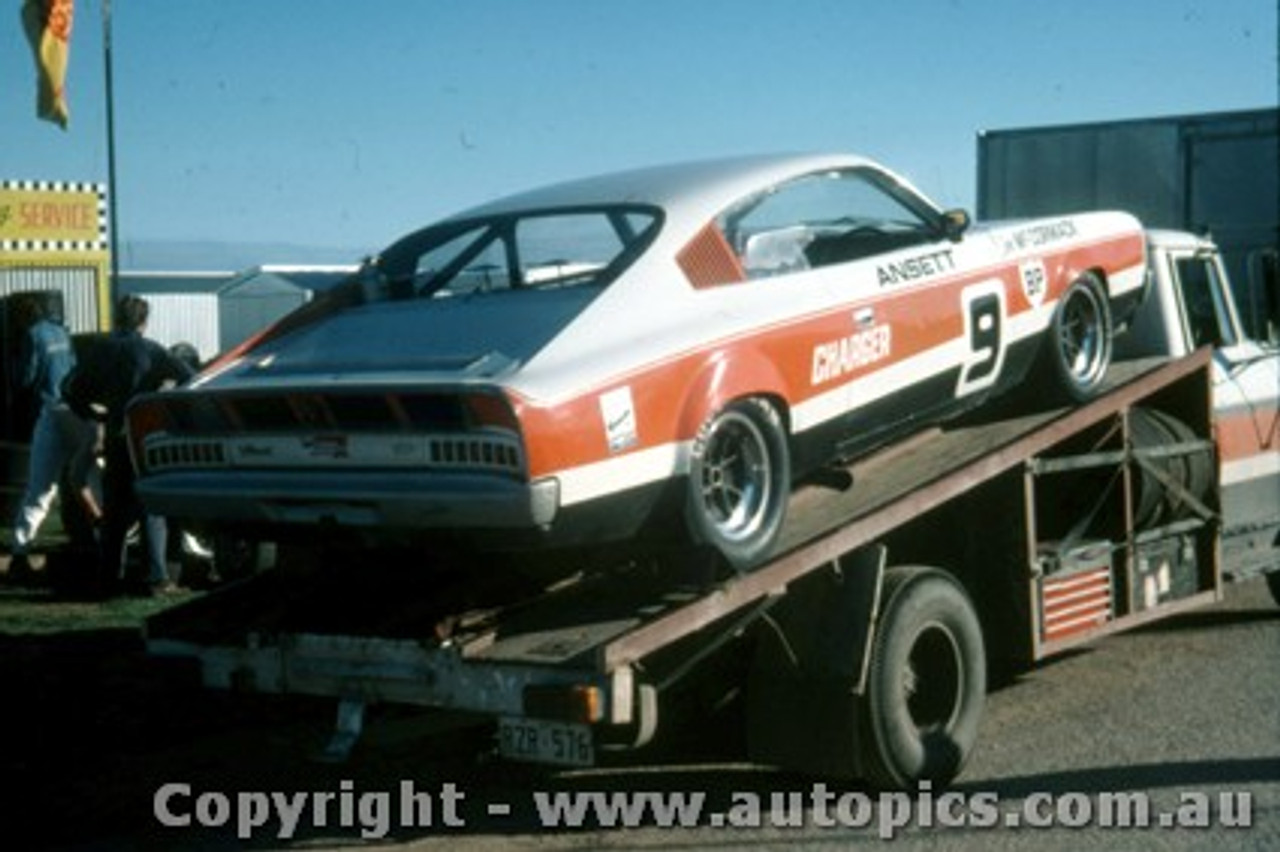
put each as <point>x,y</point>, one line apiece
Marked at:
<point>236,558</point>
<point>739,482</point>
<point>918,716</point>
<point>1155,504</point>
<point>1077,351</point>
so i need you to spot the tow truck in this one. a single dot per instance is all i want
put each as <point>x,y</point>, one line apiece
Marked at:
<point>906,580</point>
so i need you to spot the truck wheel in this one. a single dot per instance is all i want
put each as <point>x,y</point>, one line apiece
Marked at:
<point>918,717</point>
<point>739,482</point>
<point>236,558</point>
<point>1078,350</point>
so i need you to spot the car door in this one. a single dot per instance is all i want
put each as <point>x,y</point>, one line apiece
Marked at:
<point>853,252</point>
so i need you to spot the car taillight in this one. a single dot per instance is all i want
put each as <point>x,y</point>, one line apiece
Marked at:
<point>146,417</point>
<point>490,410</point>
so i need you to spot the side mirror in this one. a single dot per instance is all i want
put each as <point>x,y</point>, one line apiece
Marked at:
<point>955,223</point>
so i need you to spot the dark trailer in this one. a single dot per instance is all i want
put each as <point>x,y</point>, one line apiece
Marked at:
<point>1216,174</point>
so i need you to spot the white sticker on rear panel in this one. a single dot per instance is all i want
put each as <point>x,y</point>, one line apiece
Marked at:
<point>619,415</point>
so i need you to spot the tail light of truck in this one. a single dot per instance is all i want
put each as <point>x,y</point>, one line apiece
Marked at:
<point>565,703</point>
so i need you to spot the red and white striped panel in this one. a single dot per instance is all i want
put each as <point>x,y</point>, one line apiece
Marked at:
<point>1075,602</point>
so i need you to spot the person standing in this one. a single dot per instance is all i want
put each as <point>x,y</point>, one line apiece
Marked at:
<point>119,368</point>
<point>45,359</point>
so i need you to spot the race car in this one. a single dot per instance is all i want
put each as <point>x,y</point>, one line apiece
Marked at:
<point>667,348</point>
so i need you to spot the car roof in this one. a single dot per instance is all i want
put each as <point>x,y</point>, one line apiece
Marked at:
<point>694,189</point>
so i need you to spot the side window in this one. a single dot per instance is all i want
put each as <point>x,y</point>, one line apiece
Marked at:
<point>487,271</point>
<point>541,250</point>
<point>1207,316</point>
<point>820,219</point>
<point>559,250</point>
<point>474,261</point>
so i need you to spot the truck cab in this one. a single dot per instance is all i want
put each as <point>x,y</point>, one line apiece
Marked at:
<point>1190,305</point>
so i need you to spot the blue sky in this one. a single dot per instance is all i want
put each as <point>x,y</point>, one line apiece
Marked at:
<point>342,124</point>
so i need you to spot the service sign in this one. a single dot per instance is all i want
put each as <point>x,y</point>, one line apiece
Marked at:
<point>46,215</point>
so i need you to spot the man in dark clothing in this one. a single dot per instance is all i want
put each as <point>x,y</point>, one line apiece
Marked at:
<point>119,368</point>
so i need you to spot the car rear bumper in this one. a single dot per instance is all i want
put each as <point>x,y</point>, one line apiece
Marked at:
<point>486,512</point>
<point>360,499</point>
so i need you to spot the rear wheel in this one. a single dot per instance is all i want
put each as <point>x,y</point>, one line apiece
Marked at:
<point>1078,350</point>
<point>739,482</point>
<point>926,686</point>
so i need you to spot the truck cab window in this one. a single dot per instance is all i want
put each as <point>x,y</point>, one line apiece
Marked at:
<point>1262,300</point>
<point>1207,315</point>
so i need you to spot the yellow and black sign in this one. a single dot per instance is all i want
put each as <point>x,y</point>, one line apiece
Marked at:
<point>53,236</point>
<point>52,216</point>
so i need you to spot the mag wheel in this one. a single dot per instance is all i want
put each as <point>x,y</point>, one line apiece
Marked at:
<point>739,482</point>
<point>918,717</point>
<point>1079,347</point>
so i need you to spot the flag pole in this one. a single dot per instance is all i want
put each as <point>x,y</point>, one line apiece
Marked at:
<point>112,222</point>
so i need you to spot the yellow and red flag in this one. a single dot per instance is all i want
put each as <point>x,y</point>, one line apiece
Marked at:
<point>48,26</point>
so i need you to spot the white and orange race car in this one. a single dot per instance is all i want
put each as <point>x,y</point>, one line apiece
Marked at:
<point>681,343</point>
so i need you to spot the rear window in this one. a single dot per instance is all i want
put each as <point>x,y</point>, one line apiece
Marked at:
<point>537,250</point>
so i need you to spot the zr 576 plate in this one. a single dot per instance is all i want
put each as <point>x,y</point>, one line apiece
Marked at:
<point>541,741</point>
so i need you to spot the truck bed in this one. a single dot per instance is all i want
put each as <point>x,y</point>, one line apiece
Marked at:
<point>612,615</point>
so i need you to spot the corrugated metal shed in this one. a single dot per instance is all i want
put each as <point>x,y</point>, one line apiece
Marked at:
<point>215,311</point>
<point>184,306</point>
<point>77,285</point>
<point>257,297</point>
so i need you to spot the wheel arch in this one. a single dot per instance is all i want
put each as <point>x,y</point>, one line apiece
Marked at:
<point>731,377</point>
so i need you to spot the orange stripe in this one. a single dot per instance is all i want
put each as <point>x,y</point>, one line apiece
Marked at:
<point>672,397</point>
<point>1241,434</point>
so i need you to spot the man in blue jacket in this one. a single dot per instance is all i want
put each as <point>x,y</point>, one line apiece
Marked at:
<point>45,359</point>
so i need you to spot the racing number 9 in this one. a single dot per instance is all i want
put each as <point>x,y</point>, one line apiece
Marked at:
<point>983,308</point>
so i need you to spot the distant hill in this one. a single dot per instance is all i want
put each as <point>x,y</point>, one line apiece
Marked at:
<point>194,255</point>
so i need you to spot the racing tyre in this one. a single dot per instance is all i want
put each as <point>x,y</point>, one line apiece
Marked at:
<point>926,686</point>
<point>1078,349</point>
<point>739,482</point>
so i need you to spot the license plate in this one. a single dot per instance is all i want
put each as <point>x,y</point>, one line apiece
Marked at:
<point>540,741</point>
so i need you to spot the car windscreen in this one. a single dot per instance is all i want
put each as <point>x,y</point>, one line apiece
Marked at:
<point>535,250</point>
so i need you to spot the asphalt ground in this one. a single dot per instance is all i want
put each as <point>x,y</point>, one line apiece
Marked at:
<point>92,730</point>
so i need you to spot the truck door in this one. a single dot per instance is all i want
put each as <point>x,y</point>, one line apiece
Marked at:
<point>1246,392</point>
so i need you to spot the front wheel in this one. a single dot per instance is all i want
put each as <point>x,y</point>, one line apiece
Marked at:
<point>918,717</point>
<point>739,482</point>
<point>1078,351</point>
